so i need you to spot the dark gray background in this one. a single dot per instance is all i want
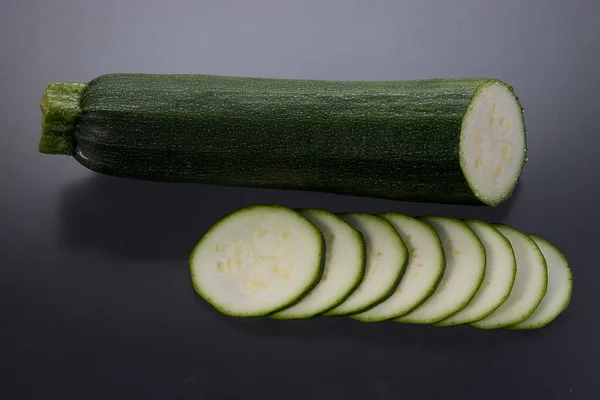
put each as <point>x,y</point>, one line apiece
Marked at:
<point>95,297</point>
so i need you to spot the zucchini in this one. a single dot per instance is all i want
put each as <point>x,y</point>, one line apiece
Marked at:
<point>500,272</point>
<point>344,266</point>
<point>385,263</point>
<point>560,285</point>
<point>270,260</point>
<point>257,260</point>
<point>463,275</point>
<point>424,269</point>
<point>457,140</point>
<point>530,285</point>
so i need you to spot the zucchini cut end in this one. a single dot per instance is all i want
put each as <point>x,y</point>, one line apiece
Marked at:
<point>60,107</point>
<point>493,142</point>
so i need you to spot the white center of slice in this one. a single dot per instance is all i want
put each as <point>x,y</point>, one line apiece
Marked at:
<point>530,282</point>
<point>558,293</point>
<point>492,144</point>
<point>498,280</point>
<point>465,268</point>
<point>256,261</point>
<point>386,259</point>
<point>344,265</point>
<point>423,270</point>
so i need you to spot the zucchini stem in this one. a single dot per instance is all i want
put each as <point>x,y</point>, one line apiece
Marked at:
<point>60,106</point>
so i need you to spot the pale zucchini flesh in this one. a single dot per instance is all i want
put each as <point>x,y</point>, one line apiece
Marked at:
<point>386,259</point>
<point>424,269</point>
<point>343,269</point>
<point>530,282</point>
<point>499,276</point>
<point>493,142</point>
<point>464,272</point>
<point>560,285</point>
<point>257,260</point>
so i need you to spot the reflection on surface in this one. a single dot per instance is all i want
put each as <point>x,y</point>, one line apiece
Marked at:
<point>154,221</point>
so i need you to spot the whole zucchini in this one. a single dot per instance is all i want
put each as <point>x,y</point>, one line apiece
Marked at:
<point>434,140</point>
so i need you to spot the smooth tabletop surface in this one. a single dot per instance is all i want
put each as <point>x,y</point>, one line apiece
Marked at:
<point>96,300</point>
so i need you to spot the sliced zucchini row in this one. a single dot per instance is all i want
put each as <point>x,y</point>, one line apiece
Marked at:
<point>464,272</point>
<point>385,263</point>
<point>424,269</point>
<point>530,285</point>
<point>500,272</point>
<point>560,285</point>
<point>343,270</point>
<point>292,264</point>
<point>257,260</point>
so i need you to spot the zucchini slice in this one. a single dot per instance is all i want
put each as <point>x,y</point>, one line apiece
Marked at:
<point>464,272</point>
<point>560,285</point>
<point>257,260</point>
<point>424,269</point>
<point>530,285</point>
<point>385,263</point>
<point>344,266</point>
<point>500,272</point>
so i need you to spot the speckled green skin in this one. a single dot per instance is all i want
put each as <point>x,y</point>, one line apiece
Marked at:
<point>387,139</point>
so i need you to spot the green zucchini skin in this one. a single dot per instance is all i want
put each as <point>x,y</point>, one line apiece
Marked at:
<point>387,139</point>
